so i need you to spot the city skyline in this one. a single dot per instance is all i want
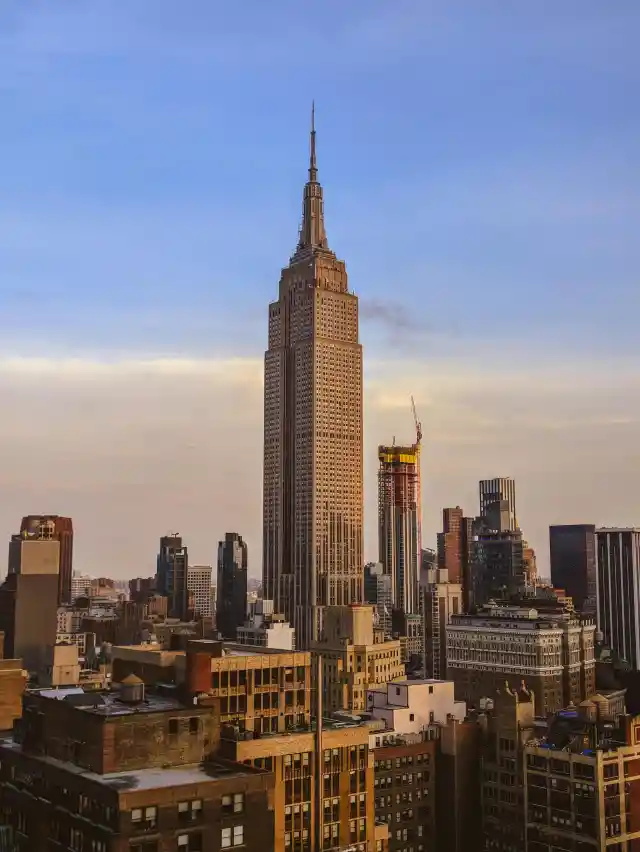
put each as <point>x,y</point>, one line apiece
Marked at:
<point>503,220</point>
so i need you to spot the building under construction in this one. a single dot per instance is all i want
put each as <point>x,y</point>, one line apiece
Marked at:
<point>399,519</point>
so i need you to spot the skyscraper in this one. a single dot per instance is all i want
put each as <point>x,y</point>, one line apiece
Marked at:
<point>313,478</point>
<point>28,599</point>
<point>572,549</point>
<point>378,593</point>
<point>199,587</point>
<point>231,604</point>
<point>618,591</point>
<point>455,544</point>
<point>58,528</point>
<point>171,576</point>
<point>399,513</point>
<point>498,503</point>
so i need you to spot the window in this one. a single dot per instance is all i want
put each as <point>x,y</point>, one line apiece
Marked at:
<point>173,727</point>
<point>412,717</point>
<point>190,842</point>
<point>98,846</point>
<point>232,837</point>
<point>194,725</point>
<point>238,803</point>
<point>75,839</point>
<point>136,815</point>
<point>189,811</point>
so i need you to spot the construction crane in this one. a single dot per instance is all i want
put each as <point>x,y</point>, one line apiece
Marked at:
<point>417,422</point>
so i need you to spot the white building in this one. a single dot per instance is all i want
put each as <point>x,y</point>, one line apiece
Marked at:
<point>78,638</point>
<point>411,706</point>
<point>266,628</point>
<point>69,619</point>
<point>199,585</point>
<point>80,586</point>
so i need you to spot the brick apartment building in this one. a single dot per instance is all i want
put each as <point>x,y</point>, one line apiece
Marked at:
<point>405,792</point>
<point>582,781</point>
<point>128,770</point>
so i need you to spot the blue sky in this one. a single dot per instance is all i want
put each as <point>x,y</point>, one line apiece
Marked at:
<point>479,161</point>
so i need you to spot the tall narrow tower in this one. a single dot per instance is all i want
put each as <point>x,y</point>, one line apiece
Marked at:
<point>399,511</point>
<point>313,487</point>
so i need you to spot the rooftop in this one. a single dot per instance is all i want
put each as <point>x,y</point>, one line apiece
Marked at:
<point>570,731</point>
<point>148,779</point>
<point>329,723</point>
<point>109,703</point>
<point>236,649</point>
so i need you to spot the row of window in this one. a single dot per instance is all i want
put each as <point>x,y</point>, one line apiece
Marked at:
<point>187,811</point>
<point>403,761</point>
<point>192,842</point>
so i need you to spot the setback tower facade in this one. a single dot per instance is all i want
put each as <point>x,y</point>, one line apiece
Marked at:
<point>313,476</point>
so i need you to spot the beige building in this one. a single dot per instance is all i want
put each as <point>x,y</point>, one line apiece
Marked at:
<point>582,781</point>
<point>356,658</point>
<point>324,786</point>
<point>313,474</point>
<point>261,690</point>
<point>540,642</point>
<point>441,600</point>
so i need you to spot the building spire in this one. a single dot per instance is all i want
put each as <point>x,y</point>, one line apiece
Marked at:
<point>313,168</point>
<point>312,232</point>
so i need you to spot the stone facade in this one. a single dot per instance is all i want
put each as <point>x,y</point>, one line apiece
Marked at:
<point>313,457</point>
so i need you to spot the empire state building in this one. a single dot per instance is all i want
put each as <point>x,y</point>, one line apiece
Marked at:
<point>313,479</point>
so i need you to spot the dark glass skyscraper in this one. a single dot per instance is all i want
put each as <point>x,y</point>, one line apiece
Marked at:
<point>231,590</point>
<point>618,591</point>
<point>171,576</point>
<point>572,550</point>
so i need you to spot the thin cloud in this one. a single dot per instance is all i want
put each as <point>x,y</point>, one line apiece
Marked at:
<point>146,444</point>
<point>393,316</point>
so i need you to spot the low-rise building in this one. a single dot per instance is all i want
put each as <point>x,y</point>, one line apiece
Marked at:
<point>582,782</point>
<point>266,628</point>
<point>13,680</point>
<point>411,706</point>
<point>260,690</point>
<point>128,770</point>
<point>356,657</point>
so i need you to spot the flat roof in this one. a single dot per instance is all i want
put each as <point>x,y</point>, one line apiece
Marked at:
<point>109,703</point>
<point>146,779</point>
